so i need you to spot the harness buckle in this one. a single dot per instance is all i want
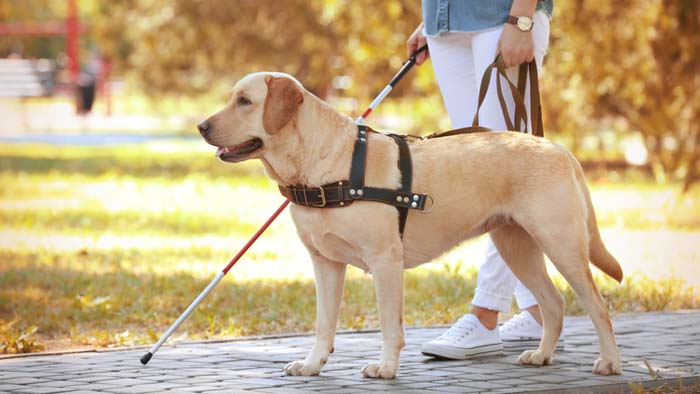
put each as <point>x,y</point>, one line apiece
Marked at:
<point>432,203</point>
<point>294,195</point>
<point>306,199</point>
<point>323,198</point>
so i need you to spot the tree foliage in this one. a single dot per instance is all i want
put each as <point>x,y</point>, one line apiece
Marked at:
<point>30,11</point>
<point>632,66</point>
<point>185,46</point>
<point>636,62</point>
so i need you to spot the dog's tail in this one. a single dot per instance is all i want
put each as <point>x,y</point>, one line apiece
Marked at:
<point>598,254</point>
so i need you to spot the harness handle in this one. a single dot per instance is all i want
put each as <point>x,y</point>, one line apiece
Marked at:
<point>518,93</point>
<point>535,104</point>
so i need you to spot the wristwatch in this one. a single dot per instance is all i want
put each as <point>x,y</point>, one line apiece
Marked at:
<point>524,23</point>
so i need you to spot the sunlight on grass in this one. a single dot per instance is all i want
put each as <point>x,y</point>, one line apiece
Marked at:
<point>105,246</point>
<point>646,206</point>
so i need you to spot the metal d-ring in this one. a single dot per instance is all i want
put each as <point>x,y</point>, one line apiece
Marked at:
<point>432,203</point>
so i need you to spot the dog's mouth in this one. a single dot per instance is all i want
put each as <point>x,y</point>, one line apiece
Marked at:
<point>240,152</point>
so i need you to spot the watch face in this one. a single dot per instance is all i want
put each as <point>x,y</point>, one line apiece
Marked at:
<point>524,23</point>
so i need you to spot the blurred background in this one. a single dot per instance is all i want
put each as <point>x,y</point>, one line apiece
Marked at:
<point>114,214</point>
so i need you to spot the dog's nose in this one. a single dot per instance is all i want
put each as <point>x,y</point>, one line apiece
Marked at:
<point>203,127</point>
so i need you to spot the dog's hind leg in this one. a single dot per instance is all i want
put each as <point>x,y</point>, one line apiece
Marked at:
<point>525,259</point>
<point>565,241</point>
<point>580,279</point>
<point>387,272</point>
<point>330,277</point>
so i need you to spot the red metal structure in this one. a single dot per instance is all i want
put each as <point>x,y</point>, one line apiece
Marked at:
<point>72,39</point>
<point>71,29</point>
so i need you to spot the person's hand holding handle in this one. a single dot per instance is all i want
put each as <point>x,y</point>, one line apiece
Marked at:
<point>415,41</point>
<point>516,44</point>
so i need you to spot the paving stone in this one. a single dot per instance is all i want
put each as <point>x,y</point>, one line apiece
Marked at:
<point>87,392</point>
<point>545,388</point>
<point>286,390</point>
<point>198,388</point>
<point>460,390</point>
<point>261,382</point>
<point>377,387</point>
<point>520,373</point>
<point>513,381</point>
<point>479,376</point>
<point>227,391</point>
<point>10,387</point>
<point>93,378</point>
<point>553,378</point>
<point>465,370</point>
<point>419,385</point>
<point>164,386</point>
<point>41,390</point>
<point>347,391</point>
<point>670,342</point>
<point>134,390</point>
<point>437,373</point>
<point>354,381</point>
<point>486,385</point>
<point>21,380</point>
<point>94,386</point>
<point>126,382</point>
<point>314,387</point>
<point>195,380</point>
<point>58,383</point>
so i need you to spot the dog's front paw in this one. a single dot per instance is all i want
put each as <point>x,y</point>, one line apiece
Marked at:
<point>605,366</point>
<point>379,370</point>
<point>534,357</point>
<point>302,368</point>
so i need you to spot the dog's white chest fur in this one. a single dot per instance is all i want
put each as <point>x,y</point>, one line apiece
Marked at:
<point>354,235</point>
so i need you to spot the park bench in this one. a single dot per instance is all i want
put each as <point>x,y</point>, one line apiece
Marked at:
<point>21,78</point>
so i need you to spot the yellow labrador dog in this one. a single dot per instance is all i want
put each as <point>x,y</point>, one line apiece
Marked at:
<point>527,192</point>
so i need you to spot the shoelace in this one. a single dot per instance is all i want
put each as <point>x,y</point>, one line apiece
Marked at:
<point>460,329</point>
<point>518,321</point>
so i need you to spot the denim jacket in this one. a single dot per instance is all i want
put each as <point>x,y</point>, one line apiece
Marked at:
<point>469,15</point>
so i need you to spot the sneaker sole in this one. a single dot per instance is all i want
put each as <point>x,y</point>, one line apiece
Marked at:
<point>455,353</point>
<point>515,345</point>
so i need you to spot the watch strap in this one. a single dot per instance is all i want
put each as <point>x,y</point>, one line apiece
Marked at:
<point>513,20</point>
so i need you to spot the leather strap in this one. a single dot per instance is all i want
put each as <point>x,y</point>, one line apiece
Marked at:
<point>327,196</point>
<point>402,198</point>
<point>519,121</point>
<point>463,130</point>
<point>397,198</point>
<point>406,168</point>
<point>357,166</point>
<point>520,115</point>
<point>513,20</point>
<point>343,193</point>
<point>530,69</point>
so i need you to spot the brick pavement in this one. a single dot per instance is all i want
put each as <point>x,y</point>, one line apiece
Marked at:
<point>670,342</point>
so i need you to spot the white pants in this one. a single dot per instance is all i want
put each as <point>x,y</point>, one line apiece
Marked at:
<point>459,60</point>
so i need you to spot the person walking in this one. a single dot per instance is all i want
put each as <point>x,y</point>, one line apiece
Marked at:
<point>463,38</point>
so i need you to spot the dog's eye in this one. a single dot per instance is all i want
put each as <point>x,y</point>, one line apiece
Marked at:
<point>243,101</point>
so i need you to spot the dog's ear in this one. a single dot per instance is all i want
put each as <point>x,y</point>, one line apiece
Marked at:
<point>281,104</point>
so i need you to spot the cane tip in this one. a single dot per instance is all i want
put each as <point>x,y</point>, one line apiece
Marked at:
<point>146,358</point>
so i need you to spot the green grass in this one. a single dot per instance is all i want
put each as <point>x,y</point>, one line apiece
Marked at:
<point>106,246</point>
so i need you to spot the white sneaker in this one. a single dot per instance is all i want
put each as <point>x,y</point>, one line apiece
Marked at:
<point>466,339</point>
<point>523,332</point>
